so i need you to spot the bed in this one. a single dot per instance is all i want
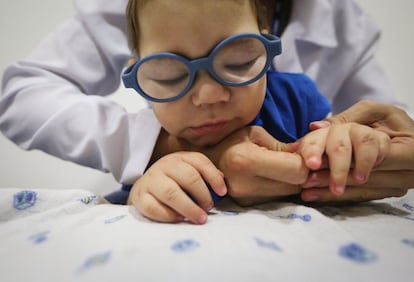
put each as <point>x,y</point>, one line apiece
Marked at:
<point>75,235</point>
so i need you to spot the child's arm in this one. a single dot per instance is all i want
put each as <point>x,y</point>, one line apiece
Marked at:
<point>174,188</point>
<point>348,148</point>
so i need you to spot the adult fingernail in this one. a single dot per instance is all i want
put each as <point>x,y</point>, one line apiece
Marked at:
<point>310,197</point>
<point>310,184</point>
<point>320,124</point>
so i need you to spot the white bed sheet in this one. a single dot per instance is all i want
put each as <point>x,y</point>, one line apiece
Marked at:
<point>73,235</point>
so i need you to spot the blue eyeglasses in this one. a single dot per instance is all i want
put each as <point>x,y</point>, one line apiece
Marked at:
<point>236,61</point>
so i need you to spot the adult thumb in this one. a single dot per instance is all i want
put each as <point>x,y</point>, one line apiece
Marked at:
<point>364,112</point>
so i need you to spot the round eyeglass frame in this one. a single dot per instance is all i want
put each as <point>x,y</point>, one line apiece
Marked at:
<point>271,43</point>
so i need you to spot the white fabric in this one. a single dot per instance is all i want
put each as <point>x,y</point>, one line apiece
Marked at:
<point>73,235</point>
<point>53,100</point>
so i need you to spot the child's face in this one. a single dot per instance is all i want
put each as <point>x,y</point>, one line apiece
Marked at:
<point>209,111</point>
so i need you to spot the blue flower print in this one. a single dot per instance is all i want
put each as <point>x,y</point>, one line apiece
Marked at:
<point>88,199</point>
<point>24,200</point>
<point>96,260</point>
<point>40,237</point>
<point>408,207</point>
<point>305,217</point>
<point>114,219</point>
<point>267,244</point>
<point>357,253</point>
<point>183,246</point>
<point>408,242</point>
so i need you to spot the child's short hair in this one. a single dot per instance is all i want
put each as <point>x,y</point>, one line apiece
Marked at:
<point>259,6</point>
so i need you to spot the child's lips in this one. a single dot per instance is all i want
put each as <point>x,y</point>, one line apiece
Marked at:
<point>208,128</point>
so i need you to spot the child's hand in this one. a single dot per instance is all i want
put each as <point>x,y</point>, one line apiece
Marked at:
<point>174,188</point>
<point>345,146</point>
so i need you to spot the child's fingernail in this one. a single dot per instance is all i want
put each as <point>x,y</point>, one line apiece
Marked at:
<point>338,189</point>
<point>360,177</point>
<point>222,190</point>
<point>313,162</point>
<point>202,219</point>
<point>209,207</point>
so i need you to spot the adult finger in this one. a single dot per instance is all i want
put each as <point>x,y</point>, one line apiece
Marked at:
<point>378,178</point>
<point>261,162</point>
<point>363,112</point>
<point>352,194</point>
<point>247,193</point>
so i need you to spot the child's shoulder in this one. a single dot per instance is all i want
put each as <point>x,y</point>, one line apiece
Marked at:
<point>289,78</point>
<point>291,83</point>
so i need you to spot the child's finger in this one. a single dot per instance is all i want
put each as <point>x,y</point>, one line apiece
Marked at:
<point>312,148</point>
<point>172,194</point>
<point>152,208</point>
<point>368,147</point>
<point>203,170</point>
<point>339,152</point>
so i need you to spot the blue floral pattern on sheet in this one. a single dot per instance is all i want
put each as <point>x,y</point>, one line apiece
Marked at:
<point>408,207</point>
<point>40,237</point>
<point>357,253</point>
<point>88,199</point>
<point>408,242</point>
<point>24,200</point>
<point>305,217</point>
<point>260,238</point>
<point>114,219</point>
<point>186,245</point>
<point>271,245</point>
<point>96,260</point>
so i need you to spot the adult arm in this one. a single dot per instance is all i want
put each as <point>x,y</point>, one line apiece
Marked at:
<point>53,100</point>
<point>335,43</point>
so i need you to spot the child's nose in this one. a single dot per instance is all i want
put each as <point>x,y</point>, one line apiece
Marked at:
<point>206,90</point>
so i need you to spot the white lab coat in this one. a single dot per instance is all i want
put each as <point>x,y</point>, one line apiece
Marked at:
<point>54,100</point>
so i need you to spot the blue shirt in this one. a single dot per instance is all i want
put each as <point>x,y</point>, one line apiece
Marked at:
<point>292,101</point>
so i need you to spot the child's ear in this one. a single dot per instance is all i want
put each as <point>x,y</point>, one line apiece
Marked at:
<point>264,30</point>
<point>132,61</point>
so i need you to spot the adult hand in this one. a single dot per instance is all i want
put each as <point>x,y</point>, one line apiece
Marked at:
<point>257,167</point>
<point>393,176</point>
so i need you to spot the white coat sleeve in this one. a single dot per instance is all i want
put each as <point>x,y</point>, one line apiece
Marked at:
<point>365,79</point>
<point>53,100</point>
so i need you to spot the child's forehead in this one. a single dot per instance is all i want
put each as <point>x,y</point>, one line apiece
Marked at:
<point>192,28</point>
<point>180,7</point>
